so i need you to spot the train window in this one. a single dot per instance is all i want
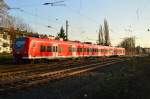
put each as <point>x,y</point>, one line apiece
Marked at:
<point>56,48</point>
<point>96,50</point>
<point>103,50</point>
<point>62,49</point>
<point>74,49</point>
<point>43,48</point>
<point>84,50</point>
<point>80,50</point>
<point>49,48</point>
<point>110,50</point>
<point>70,49</point>
<point>77,49</point>
<point>90,50</point>
<point>59,49</point>
<point>53,48</point>
<point>107,50</point>
<point>100,50</point>
<point>87,49</point>
<point>20,43</point>
<point>33,44</point>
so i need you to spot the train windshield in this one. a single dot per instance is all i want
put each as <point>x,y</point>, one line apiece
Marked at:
<point>20,42</point>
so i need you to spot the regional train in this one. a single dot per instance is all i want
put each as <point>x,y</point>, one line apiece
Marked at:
<point>42,48</point>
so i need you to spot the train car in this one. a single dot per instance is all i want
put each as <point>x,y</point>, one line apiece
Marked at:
<point>38,48</point>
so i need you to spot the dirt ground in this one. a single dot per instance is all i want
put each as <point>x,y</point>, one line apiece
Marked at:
<point>127,80</point>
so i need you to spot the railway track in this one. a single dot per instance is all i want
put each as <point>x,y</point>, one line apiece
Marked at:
<point>25,71</point>
<point>45,77</point>
<point>23,66</point>
<point>19,67</point>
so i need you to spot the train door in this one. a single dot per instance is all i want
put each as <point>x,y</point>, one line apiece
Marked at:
<point>74,54</point>
<point>55,50</point>
<point>32,50</point>
<point>99,51</point>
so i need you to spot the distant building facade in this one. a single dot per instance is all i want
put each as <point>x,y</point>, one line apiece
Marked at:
<point>5,43</point>
<point>146,50</point>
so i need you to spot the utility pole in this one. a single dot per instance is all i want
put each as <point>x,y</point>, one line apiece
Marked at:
<point>67,25</point>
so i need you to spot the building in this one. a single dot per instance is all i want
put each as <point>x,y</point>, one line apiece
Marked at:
<point>5,43</point>
<point>9,35</point>
<point>146,50</point>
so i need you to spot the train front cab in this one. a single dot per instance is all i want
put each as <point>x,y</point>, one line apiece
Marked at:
<point>20,48</point>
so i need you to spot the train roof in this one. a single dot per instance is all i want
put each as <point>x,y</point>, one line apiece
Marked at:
<point>70,42</point>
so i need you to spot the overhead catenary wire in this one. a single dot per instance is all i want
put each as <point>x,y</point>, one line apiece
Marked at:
<point>82,15</point>
<point>34,15</point>
<point>39,23</point>
<point>46,19</point>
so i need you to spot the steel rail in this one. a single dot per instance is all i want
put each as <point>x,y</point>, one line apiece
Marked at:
<point>24,72</point>
<point>46,77</point>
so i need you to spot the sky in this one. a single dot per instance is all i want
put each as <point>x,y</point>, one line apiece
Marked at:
<point>126,18</point>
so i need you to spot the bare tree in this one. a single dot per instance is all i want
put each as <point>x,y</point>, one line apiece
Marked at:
<point>5,19</point>
<point>8,21</point>
<point>101,36</point>
<point>129,44</point>
<point>106,32</point>
<point>20,25</point>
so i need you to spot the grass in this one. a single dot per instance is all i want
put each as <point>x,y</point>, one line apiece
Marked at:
<point>5,58</point>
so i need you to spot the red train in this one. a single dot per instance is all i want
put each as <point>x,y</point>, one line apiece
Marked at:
<point>37,48</point>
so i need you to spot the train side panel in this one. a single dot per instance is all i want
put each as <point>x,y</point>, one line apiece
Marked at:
<point>36,48</point>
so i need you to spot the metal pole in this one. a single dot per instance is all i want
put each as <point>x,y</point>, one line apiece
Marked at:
<point>67,30</point>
